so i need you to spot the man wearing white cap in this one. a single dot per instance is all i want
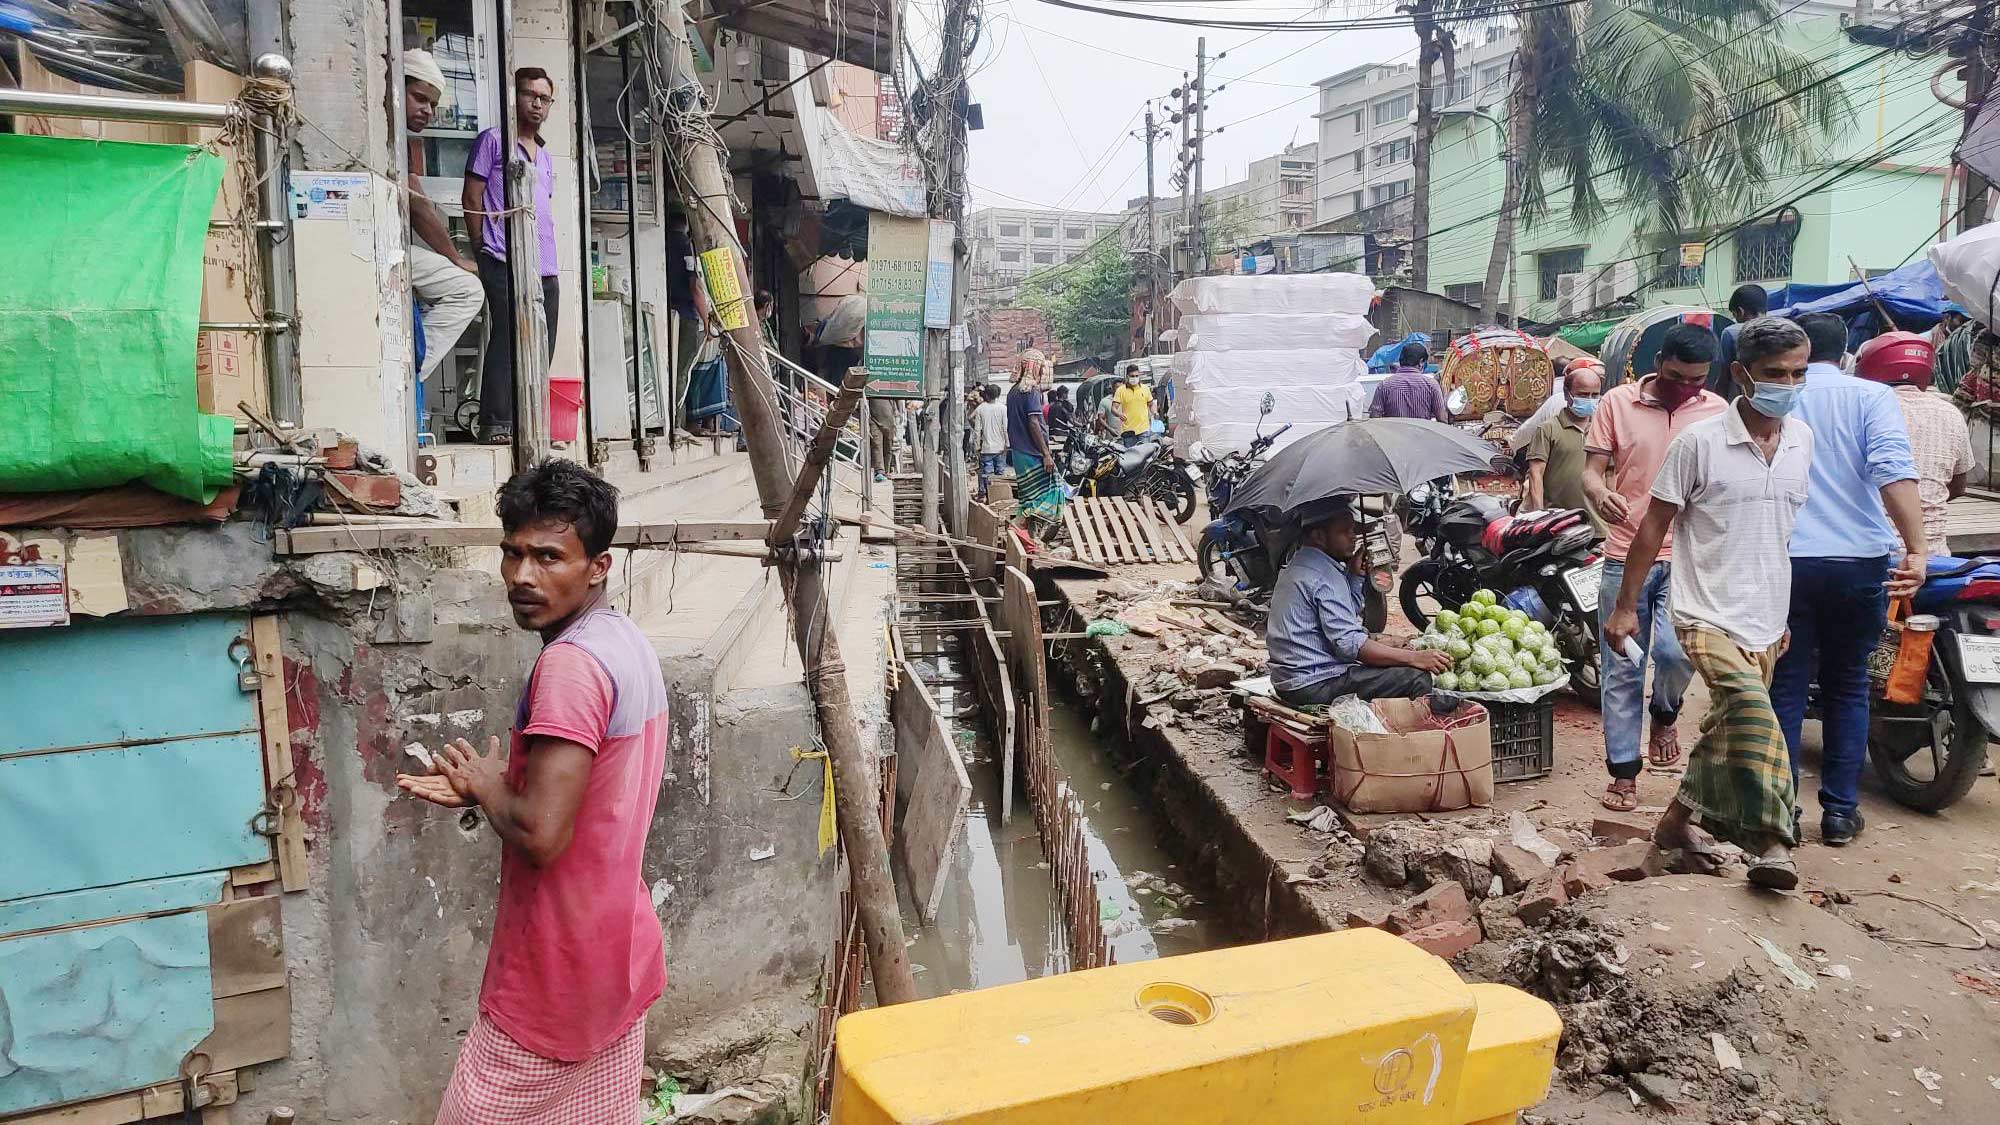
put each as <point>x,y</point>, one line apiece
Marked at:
<point>445,281</point>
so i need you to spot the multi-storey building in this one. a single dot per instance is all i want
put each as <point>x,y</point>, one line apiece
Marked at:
<point>1009,243</point>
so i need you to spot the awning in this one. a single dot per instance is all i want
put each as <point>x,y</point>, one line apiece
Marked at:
<point>861,32</point>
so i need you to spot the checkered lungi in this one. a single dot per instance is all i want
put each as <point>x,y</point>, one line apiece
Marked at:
<point>499,1082</point>
<point>1739,776</point>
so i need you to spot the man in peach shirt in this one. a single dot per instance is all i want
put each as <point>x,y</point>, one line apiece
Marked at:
<point>1628,439</point>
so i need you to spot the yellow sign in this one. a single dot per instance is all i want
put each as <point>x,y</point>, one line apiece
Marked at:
<point>1692,254</point>
<point>718,268</point>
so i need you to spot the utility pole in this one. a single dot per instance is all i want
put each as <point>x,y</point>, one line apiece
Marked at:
<point>942,405</point>
<point>1199,249</point>
<point>1152,249</point>
<point>1182,166</point>
<point>857,784</point>
<point>1979,76</point>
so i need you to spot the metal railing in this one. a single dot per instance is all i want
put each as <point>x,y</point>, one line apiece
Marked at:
<point>803,398</point>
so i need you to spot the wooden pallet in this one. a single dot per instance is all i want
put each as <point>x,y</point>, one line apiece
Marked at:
<point>1119,530</point>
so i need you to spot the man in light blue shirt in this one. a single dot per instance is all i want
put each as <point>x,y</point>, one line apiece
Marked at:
<point>1861,514</point>
<point>1319,649</point>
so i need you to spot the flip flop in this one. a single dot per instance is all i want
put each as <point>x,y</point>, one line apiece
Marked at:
<point>1620,796</point>
<point>1774,874</point>
<point>1663,748</point>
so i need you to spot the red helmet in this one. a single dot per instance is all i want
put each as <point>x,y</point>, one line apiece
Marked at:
<point>1896,357</point>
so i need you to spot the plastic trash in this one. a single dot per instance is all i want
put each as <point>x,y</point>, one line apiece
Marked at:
<point>1351,714</point>
<point>1106,628</point>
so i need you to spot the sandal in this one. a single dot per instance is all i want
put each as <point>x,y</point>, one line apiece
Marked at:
<point>1622,795</point>
<point>1663,749</point>
<point>1774,873</point>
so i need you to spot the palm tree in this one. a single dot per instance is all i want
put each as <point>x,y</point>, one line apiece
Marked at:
<point>1685,107</point>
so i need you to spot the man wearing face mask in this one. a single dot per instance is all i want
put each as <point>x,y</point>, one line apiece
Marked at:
<point>1730,489</point>
<point>1135,406</point>
<point>1554,449</point>
<point>1629,434</point>
<point>1860,541</point>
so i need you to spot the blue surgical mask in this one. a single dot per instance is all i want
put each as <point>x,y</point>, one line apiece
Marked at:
<point>1774,400</point>
<point>1583,407</point>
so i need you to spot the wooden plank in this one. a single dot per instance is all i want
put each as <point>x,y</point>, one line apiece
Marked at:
<point>1031,655</point>
<point>1114,550</point>
<point>246,946</point>
<point>1164,521</point>
<point>1069,529</point>
<point>1143,519</point>
<point>253,874</point>
<point>1089,548</point>
<point>251,1028</point>
<point>1180,537</point>
<point>275,730</point>
<point>382,536</point>
<point>134,1105</point>
<point>938,790</point>
<point>1122,513</point>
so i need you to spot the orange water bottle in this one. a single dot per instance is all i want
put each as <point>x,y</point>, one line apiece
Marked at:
<point>1912,660</point>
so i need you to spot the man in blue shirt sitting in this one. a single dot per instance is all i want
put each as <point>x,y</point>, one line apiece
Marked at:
<point>1859,540</point>
<point>1319,649</point>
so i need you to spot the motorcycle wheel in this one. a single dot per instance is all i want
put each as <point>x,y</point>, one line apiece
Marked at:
<point>1423,591</point>
<point>1929,755</point>
<point>1576,639</point>
<point>1215,569</point>
<point>1170,487</point>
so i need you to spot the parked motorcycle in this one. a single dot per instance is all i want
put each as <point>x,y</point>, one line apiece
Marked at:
<point>1928,754</point>
<point>1221,475</point>
<point>1241,554</point>
<point>1097,467</point>
<point>1545,564</point>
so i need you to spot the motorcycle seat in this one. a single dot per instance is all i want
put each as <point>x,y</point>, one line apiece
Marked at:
<point>1514,533</point>
<point>1136,456</point>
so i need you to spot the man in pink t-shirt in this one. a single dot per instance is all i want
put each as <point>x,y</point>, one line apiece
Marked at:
<point>1628,439</point>
<point>577,956</point>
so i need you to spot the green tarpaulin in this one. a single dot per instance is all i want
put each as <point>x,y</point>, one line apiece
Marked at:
<point>98,306</point>
<point>1589,336</point>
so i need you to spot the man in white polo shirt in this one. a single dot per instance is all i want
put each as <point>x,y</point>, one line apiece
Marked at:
<point>1730,489</point>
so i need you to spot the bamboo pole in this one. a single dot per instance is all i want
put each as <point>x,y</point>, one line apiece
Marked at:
<point>855,790</point>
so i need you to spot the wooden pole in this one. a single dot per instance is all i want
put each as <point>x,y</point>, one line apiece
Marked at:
<point>855,786</point>
<point>819,453</point>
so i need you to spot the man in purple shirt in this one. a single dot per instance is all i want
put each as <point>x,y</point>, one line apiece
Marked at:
<point>485,196</point>
<point>1409,393</point>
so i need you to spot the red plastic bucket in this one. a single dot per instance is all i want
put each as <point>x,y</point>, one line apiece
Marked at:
<point>565,401</point>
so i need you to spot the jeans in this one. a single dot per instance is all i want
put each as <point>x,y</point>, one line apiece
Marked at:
<point>990,465</point>
<point>1838,611</point>
<point>1625,682</point>
<point>1364,681</point>
<point>496,381</point>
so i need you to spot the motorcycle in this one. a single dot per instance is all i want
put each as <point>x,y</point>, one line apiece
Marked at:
<point>1097,467</point>
<point>1545,564</point>
<point>1221,475</point>
<point>1241,554</point>
<point>1928,754</point>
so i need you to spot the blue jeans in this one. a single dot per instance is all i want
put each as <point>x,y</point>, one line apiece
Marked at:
<point>1625,682</point>
<point>1838,610</point>
<point>990,465</point>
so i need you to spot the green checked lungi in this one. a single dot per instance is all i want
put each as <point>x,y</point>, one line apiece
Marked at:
<point>1739,775</point>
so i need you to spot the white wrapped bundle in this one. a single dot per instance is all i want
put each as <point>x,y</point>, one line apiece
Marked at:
<point>1250,372</point>
<point>1276,293</point>
<point>1227,332</point>
<point>1226,422</point>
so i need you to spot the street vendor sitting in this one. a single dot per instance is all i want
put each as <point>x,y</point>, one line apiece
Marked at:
<point>1319,649</point>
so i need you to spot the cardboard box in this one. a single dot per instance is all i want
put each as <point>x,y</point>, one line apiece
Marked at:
<point>1423,763</point>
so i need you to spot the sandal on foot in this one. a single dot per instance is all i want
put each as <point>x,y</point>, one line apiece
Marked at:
<point>1663,749</point>
<point>1774,874</point>
<point>1622,795</point>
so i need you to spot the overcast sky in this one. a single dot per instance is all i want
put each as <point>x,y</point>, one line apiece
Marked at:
<point>1063,91</point>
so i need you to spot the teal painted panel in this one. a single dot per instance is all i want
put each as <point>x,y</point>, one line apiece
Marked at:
<point>98,682</point>
<point>90,1012</point>
<point>152,896</point>
<point>94,818</point>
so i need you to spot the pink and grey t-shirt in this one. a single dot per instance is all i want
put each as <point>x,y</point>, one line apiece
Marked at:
<point>577,955</point>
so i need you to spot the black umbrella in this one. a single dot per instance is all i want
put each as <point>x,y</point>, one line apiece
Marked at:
<point>1369,457</point>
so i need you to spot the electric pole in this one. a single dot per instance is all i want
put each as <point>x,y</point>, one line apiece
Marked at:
<point>942,402</point>
<point>1181,169</point>
<point>1978,73</point>
<point>1151,134</point>
<point>1199,249</point>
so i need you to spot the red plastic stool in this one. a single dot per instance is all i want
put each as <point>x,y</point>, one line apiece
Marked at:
<point>1294,757</point>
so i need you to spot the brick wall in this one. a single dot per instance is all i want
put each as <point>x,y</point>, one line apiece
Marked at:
<point>1009,332</point>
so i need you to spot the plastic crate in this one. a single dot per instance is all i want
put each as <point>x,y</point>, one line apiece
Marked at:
<point>1524,739</point>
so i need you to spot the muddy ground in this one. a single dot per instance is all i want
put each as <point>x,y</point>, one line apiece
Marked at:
<point>1871,994</point>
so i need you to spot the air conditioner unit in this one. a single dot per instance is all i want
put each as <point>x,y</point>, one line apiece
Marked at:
<point>1571,294</point>
<point>1614,283</point>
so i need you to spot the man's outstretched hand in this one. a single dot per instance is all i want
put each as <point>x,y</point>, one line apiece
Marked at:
<point>459,775</point>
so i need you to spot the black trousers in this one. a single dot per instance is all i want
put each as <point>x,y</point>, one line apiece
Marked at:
<point>496,379</point>
<point>1364,681</point>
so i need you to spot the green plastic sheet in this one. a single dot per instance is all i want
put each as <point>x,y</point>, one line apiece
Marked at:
<point>98,306</point>
<point>1589,335</point>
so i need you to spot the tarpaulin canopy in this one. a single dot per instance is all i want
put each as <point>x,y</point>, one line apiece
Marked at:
<point>1589,335</point>
<point>98,311</point>
<point>1913,295</point>
<point>1389,355</point>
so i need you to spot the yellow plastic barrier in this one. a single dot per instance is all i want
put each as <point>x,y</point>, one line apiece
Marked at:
<point>1356,1026</point>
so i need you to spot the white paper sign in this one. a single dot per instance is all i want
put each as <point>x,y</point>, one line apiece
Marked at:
<point>33,596</point>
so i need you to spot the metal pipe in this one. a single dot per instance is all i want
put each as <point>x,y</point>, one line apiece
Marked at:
<point>579,80</point>
<point>281,302</point>
<point>640,445</point>
<point>105,107</point>
<point>275,327</point>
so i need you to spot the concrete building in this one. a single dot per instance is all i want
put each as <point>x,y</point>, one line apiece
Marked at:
<point>1009,243</point>
<point>1367,122</point>
<point>1880,215</point>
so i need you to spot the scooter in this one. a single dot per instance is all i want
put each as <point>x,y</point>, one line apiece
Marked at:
<point>1928,754</point>
<point>1545,564</point>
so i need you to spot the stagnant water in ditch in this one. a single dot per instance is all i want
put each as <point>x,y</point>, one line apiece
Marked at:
<point>997,922</point>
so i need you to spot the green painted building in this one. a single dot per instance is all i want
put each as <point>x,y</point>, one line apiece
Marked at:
<point>1880,216</point>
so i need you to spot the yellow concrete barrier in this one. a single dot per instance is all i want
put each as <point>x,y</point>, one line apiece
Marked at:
<point>1356,1026</point>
